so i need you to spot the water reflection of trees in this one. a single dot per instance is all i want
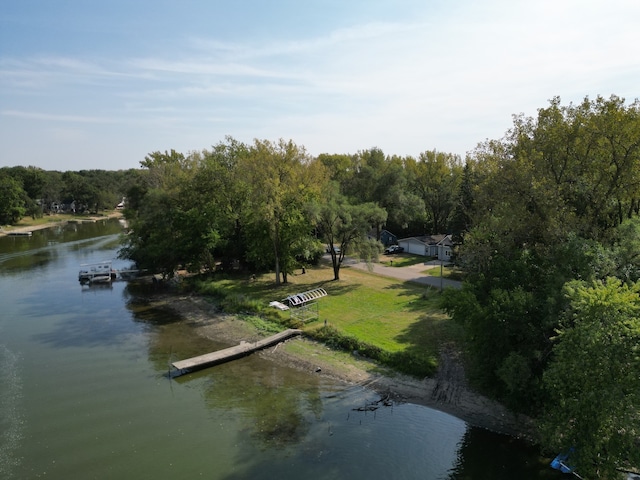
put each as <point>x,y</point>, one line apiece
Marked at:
<point>170,336</point>
<point>274,401</point>
<point>484,454</point>
<point>35,252</point>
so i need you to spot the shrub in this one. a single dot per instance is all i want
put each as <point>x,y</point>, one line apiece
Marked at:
<point>405,362</point>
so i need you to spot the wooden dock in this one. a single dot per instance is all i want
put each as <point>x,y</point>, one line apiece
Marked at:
<point>231,353</point>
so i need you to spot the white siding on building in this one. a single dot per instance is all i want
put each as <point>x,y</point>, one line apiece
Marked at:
<point>413,246</point>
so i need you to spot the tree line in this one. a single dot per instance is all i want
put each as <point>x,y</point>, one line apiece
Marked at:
<point>34,192</point>
<point>550,241</point>
<point>270,205</point>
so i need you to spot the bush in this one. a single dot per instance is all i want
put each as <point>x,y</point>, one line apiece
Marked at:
<point>238,303</point>
<point>405,362</point>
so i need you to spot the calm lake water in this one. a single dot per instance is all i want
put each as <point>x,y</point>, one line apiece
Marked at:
<point>84,394</point>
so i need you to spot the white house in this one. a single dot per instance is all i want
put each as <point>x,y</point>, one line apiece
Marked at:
<point>438,246</point>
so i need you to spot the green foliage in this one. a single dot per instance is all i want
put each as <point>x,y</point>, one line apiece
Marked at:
<point>464,204</point>
<point>12,206</point>
<point>410,363</point>
<point>515,373</point>
<point>240,304</point>
<point>262,324</point>
<point>43,192</point>
<point>76,188</point>
<point>343,225</point>
<point>208,288</point>
<point>32,179</point>
<point>593,381</point>
<point>552,202</point>
<point>503,332</point>
<point>281,180</point>
<point>248,205</point>
<point>435,179</point>
<point>625,261</point>
<point>249,307</point>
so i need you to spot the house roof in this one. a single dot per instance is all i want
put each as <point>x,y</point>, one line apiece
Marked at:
<point>440,239</point>
<point>373,233</point>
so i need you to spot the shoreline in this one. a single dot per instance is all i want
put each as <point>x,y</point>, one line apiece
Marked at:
<point>447,391</point>
<point>23,229</point>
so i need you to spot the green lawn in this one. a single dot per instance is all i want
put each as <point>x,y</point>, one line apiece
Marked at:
<point>448,271</point>
<point>402,260</point>
<point>391,315</point>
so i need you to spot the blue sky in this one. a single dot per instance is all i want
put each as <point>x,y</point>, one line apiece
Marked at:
<point>87,84</point>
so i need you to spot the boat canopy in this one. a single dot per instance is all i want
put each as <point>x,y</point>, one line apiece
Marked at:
<point>300,299</point>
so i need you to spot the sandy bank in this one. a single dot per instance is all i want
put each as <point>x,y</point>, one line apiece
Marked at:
<point>447,391</point>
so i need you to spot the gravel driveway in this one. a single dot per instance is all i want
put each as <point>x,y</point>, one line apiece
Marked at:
<point>412,273</point>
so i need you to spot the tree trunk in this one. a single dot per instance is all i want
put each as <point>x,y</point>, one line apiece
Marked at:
<point>275,253</point>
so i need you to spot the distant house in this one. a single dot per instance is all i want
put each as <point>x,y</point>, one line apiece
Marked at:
<point>387,238</point>
<point>437,246</point>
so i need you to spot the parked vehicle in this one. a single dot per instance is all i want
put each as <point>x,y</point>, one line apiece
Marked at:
<point>393,249</point>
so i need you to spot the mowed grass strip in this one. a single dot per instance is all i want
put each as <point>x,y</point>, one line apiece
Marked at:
<point>391,315</point>
<point>402,260</point>
<point>448,271</point>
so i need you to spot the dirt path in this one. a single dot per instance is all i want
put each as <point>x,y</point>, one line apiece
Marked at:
<point>447,391</point>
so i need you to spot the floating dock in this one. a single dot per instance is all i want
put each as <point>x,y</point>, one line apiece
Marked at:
<point>203,361</point>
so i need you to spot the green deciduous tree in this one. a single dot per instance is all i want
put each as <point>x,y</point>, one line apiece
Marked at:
<point>166,229</point>
<point>404,207</point>
<point>167,169</point>
<point>626,251</point>
<point>546,203</point>
<point>593,381</point>
<point>364,184</point>
<point>76,188</point>
<point>157,238</point>
<point>219,194</point>
<point>344,227</point>
<point>435,178</point>
<point>281,180</point>
<point>586,160</point>
<point>464,206</point>
<point>12,199</point>
<point>31,178</point>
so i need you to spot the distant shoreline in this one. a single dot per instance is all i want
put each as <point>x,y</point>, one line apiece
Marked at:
<point>4,231</point>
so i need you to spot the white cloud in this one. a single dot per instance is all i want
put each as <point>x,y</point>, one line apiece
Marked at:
<point>49,117</point>
<point>446,78</point>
